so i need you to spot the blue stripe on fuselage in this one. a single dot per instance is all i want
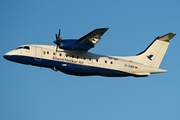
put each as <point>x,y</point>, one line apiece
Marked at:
<point>68,68</point>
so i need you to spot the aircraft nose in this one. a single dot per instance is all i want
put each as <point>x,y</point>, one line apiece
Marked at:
<point>7,56</point>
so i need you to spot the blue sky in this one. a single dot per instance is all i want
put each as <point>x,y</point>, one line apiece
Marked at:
<point>28,92</point>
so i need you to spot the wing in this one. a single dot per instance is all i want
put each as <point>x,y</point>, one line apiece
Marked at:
<point>93,37</point>
<point>85,43</point>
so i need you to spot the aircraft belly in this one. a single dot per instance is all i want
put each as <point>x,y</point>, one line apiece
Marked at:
<point>83,70</point>
<point>69,68</point>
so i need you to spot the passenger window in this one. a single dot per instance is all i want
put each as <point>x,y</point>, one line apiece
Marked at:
<point>44,52</point>
<point>47,52</point>
<point>96,60</point>
<point>105,61</point>
<point>54,53</point>
<point>111,62</point>
<point>60,54</point>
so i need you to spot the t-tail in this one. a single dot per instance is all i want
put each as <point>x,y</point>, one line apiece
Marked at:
<point>154,53</point>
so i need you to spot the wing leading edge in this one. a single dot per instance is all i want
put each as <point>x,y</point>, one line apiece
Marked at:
<point>93,37</point>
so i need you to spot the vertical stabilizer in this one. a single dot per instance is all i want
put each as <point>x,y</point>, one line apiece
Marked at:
<point>153,55</point>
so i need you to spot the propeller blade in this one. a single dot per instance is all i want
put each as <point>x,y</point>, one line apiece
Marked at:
<point>59,33</point>
<point>58,39</point>
<point>56,36</point>
<point>56,48</point>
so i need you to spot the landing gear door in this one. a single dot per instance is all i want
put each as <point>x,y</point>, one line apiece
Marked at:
<point>38,53</point>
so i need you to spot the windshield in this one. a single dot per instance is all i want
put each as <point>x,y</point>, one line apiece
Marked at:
<point>23,47</point>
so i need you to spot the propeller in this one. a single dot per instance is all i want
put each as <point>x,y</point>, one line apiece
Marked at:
<point>58,39</point>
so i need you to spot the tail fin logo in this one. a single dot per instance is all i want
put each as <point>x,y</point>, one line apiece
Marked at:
<point>150,57</point>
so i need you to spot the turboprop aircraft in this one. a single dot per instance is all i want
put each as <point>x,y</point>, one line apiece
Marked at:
<point>72,56</point>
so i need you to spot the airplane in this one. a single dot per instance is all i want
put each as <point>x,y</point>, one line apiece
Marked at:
<point>72,56</point>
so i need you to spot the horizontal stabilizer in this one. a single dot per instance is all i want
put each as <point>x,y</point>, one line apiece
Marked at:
<point>166,37</point>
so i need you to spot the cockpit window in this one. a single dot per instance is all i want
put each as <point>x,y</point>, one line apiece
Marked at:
<point>26,47</point>
<point>19,48</point>
<point>23,47</point>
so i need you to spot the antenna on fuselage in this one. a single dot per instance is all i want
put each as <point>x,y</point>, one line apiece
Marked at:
<point>58,39</point>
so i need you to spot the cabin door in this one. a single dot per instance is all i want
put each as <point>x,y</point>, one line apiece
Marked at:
<point>38,53</point>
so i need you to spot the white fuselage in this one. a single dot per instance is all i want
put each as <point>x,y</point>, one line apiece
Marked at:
<point>78,62</point>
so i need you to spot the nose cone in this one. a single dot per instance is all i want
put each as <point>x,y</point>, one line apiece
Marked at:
<point>7,56</point>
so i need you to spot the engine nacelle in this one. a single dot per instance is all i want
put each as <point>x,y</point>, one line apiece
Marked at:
<point>72,44</point>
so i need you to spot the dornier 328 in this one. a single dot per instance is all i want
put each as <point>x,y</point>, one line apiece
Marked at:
<point>72,56</point>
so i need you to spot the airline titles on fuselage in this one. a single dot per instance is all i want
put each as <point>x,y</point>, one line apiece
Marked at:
<point>67,60</point>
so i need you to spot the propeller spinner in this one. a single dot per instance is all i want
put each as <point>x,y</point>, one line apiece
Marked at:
<point>58,39</point>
